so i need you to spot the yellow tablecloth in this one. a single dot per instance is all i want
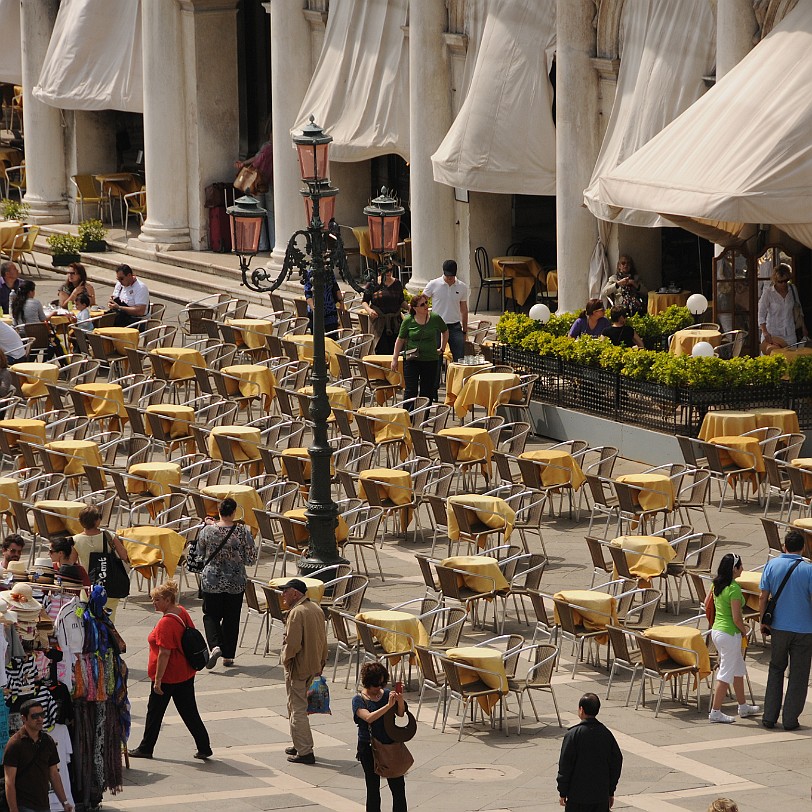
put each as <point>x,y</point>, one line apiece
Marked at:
<point>482,572</point>
<point>658,302</point>
<point>391,423</point>
<point>784,419</point>
<point>396,624</point>
<point>489,659</point>
<point>177,419</point>
<point>750,582</point>
<point>331,349</point>
<point>103,399</point>
<point>315,587</point>
<point>245,442</point>
<point>726,422</point>
<point>522,270</point>
<point>741,453</point>
<point>595,609</point>
<point>68,518</point>
<point>155,478</point>
<point>255,379</point>
<point>472,445</point>
<point>647,556</point>
<point>805,524</point>
<point>164,543</point>
<point>379,368</point>
<point>184,358</point>
<point>9,489</point>
<point>789,354</point>
<point>33,377</point>
<point>119,338</point>
<point>551,281</point>
<point>80,451</point>
<point>455,377</point>
<point>484,389</point>
<point>298,515</point>
<point>684,340</point>
<point>393,485</point>
<point>29,429</point>
<point>490,510</point>
<point>251,332</point>
<point>563,468</point>
<point>686,637</point>
<point>246,498</point>
<point>338,397</point>
<point>9,229</point>
<point>304,455</point>
<point>804,463</point>
<point>659,493</point>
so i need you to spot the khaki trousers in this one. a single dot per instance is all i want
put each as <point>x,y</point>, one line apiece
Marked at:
<point>300,733</point>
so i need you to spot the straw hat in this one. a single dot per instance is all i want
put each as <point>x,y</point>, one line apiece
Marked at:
<point>21,599</point>
<point>43,570</point>
<point>7,615</point>
<point>18,570</point>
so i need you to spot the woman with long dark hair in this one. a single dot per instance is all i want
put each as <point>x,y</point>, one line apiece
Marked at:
<point>75,283</point>
<point>728,628</point>
<point>591,320</point>
<point>24,307</point>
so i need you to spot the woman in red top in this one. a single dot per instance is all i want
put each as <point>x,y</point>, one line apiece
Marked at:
<point>172,676</point>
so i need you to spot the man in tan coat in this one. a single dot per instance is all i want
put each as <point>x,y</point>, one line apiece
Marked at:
<point>304,655</point>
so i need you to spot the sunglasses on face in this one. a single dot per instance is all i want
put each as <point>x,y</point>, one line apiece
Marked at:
<point>38,715</point>
<point>421,304</point>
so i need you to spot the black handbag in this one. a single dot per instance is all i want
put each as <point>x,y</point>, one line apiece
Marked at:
<point>107,569</point>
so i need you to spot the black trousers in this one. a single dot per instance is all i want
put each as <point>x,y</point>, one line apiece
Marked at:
<point>183,695</point>
<point>574,806</point>
<point>421,378</point>
<point>221,620</point>
<point>397,786</point>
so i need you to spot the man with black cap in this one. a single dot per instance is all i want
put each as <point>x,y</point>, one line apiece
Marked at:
<point>449,300</point>
<point>304,655</point>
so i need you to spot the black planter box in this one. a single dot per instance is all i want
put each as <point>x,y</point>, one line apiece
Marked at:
<point>589,389</point>
<point>63,260</point>
<point>548,368</point>
<point>799,398</point>
<point>95,247</point>
<point>651,405</point>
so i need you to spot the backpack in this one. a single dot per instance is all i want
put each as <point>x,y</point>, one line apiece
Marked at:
<point>193,645</point>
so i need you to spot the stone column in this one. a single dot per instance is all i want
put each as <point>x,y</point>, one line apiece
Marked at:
<point>291,71</point>
<point>735,27</point>
<point>46,180</point>
<point>577,145</point>
<point>165,165</point>
<point>432,204</point>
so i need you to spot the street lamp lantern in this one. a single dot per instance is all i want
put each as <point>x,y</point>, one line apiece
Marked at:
<point>383,215</point>
<point>313,147</point>
<point>326,196</point>
<point>247,217</point>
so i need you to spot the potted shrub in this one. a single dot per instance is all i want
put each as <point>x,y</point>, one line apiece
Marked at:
<point>13,209</point>
<point>92,234</point>
<point>65,249</point>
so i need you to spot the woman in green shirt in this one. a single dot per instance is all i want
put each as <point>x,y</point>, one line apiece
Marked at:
<point>728,628</point>
<point>419,331</point>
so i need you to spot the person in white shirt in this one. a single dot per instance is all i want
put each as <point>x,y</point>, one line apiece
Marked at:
<point>449,300</point>
<point>130,297</point>
<point>11,344</point>
<point>776,311</point>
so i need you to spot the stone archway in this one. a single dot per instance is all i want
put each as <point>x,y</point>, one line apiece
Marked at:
<point>608,33</point>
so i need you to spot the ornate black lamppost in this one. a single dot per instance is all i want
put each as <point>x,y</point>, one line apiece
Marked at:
<point>383,216</point>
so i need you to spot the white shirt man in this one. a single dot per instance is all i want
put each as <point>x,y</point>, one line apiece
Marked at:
<point>130,297</point>
<point>11,343</point>
<point>449,300</point>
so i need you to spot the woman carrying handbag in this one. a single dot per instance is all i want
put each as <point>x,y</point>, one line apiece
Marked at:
<point>369,709</point>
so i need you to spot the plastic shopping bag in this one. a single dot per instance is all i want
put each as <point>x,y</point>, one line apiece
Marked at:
<point>318,696</point>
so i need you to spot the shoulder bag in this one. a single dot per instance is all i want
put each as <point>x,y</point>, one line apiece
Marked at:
<point>769,610</point>
<point>107,569</point>
<point>391,760</point>
<point>195,563</point>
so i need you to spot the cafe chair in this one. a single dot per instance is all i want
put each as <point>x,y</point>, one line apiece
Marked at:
<point>86,192</point>
<point>577,633</point>
<point>363,524</point>
<point>425,563</point>
<point>347,642</point>
<point>445,626</point>
<point>273,600</point>
<point>465,684</point>
<point>693,494</point>
<point>626,656</point>
<point>433,679</point>
<point>135,203</point>
<point>658,665</point>
<point>538,678</point>
<point>22,249</point>
<point>452,589</point>
<point>257,607</point>
<point>638,616</point>
<point>604,501</point>
<point>487,281</point>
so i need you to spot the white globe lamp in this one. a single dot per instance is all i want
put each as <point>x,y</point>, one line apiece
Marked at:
<point>540,312</point>
<point>702,349</point>
<point>697,304</point>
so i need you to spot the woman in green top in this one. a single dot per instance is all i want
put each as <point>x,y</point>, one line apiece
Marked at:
<point>728,628</point>
<point>419,331</point>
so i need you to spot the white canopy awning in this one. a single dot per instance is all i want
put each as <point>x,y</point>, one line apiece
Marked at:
<point>742,154</point>
<point>11,58</point>
<point>93,60</point>
<point>359,92</point>
<point>668,46</point>
<point>503,139</point>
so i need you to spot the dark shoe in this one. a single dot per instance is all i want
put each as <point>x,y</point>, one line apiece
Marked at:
<point>228,663</point>
<point>203,756</point>
<point>768,724</point>
<point>290,751</point>
<point>791,727</point>
<point>297,759</point>
<point>139,753</point>
<point>214,656</point>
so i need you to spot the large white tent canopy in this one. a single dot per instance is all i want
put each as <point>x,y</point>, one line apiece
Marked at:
<point>359,92</point>
<point>11,59</point>
<point>742,155</point>
<point>503,139</point>
<point>668,46</point>
<point>93,60</point>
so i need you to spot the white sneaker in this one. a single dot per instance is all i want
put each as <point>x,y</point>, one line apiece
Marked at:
<point>748,710</point>
<point>718,716</point>
<point>214,656</point>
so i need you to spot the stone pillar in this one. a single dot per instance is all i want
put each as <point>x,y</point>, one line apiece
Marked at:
<point>212,109</point>
<point>165,143</point>
<point>735,27</point>
<point>432,204</point>
<point>46,180</point>
<point>291,71</point>
<point>577,145</point>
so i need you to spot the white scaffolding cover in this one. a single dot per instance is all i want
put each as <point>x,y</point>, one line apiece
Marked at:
<point>359,92</point>
<point>11,58</point>
<point>742,154</point>
<point>503,139</point>
<point>93,60</point>
<point>668,46</point>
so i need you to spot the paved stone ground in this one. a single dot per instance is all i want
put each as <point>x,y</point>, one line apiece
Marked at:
<point>677,761</point>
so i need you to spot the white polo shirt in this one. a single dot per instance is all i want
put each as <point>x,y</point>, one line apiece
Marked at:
<point>445,299</point>
<point>131,295</point>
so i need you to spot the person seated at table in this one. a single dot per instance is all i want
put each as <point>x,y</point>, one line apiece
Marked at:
<point>780,315</point>
<point>382,302</point>
<point>591,320</point>
<point>10,281</point>
<point>6,384</point>
<point>75,283</point>
<point>624,287</point>
<point>84,321</point>
<point>620,333</point>
<point>25,308</point>
<point>130,299</point>
<point>11,344</point>
<point>63,553</point>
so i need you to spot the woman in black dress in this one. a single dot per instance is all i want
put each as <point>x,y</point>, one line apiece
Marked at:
<point>383,301</point>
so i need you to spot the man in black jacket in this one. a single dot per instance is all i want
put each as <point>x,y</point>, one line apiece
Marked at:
<point>590,762</point>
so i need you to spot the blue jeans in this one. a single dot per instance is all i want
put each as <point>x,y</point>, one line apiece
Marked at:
<point>456,340</point>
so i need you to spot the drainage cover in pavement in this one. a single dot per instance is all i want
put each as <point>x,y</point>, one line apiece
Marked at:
<point>477,772</point>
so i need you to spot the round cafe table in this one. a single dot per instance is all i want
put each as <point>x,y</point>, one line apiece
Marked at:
<point>299,516</point>
<point>337,396</point>
<point>23,428</point>
<point>490,510</point>
<point>379,368</point>
<point>315,588</point>
<point>786,420</point>
<point>684,341</point>
<point>591,608</point>
<point>647,556</point>
<point>154,478</point>
<point>726,423</point>
<point>34,376</point>
<point>119,338</point>
<point>182,360</point>
<point>72,456</point>
<point>470,445</point>
<point>305,351</point>
<point>103,400</point>
<point>245,496</point>
<point>390,423</point>
<point>455,377</point>
<point>67,518</point>
<point>394,628</point>
<point>659,302</point>
<point>492,674</point>
<point>250,333</point>
<point>149,546</point>
<point>391,484</point>
<point>254,379</point>
<point>245,442</point>
<point>480,572</point>
<point>484,389</point>
<point>658,490</point>
<point>177,419</point>
<point>683,637</point>
<point>9,489</point>
<point>303,454</point>
<point>561,468</point>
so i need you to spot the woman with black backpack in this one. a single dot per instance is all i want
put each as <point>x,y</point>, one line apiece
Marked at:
<point>172,675</point>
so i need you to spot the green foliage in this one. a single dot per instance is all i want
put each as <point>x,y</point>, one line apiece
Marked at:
<point>800,370</point>
<point>64,244</point>
<point>559,324</point>
<point>91,231</point>
<point>14,209</point>
<point>513,327</point>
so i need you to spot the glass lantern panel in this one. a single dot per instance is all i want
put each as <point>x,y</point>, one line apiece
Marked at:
<point>327,208</point>
<point>245,233</point>
<point>383,233</point>
<point>314,161</point>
